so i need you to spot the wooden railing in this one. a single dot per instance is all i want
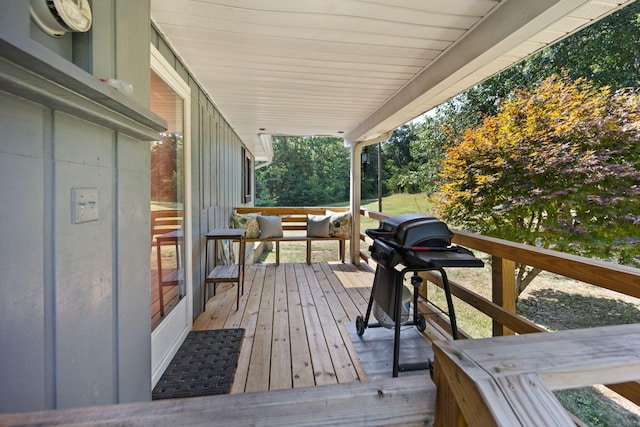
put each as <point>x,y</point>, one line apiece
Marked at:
<point>508,381</point>
<point>501,309</point>
<point>381,402</point>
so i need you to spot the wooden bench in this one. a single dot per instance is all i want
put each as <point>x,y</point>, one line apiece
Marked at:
<point>294,219</point>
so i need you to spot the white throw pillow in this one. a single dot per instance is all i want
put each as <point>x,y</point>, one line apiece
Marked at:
<point>318,225</point>
<point>270,226</point>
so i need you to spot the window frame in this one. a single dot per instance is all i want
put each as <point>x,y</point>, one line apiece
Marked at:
<point>247,176</point>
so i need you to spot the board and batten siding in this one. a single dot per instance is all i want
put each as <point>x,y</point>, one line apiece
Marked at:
<point>216,167</point>
<point>74,298</point>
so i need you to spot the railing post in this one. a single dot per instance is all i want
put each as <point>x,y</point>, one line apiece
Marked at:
<point>503,280</point>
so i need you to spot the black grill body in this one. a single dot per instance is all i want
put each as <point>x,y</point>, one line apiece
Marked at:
<point>413,230</point>
<point>411,243</point>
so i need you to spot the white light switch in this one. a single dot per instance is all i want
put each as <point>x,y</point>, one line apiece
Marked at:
<point>84,205</point>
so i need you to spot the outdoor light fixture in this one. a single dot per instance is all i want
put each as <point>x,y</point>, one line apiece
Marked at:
<point>58,17</point>
<point>365,158</point>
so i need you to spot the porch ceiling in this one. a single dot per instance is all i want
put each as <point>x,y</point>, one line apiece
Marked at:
<point>355,69</point>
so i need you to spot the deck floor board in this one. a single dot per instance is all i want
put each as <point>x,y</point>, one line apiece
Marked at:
<point>295,317</point>
<point>260,362</point>
<point>297,320</point>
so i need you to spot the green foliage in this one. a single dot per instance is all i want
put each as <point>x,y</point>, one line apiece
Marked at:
<point>369,174</point>
<point>556,167</point>
<point>399,162</point>
<point>166,164</point>
<point>306,171</point>
<point>595,409</point>
<point>309,171</point>
<point>606,53</point>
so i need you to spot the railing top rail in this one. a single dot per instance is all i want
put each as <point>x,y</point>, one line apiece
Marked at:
<point>619,278</point>
<point>609,275</point>
<point>289,210</point>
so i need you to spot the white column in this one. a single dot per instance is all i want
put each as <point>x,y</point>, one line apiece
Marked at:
<point>356,151</point>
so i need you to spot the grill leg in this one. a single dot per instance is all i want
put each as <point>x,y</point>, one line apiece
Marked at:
<point>396,339</point>
<point>371,299</point>
<point>362,324</point>
<point>416,281</point>
<point>452,313</point>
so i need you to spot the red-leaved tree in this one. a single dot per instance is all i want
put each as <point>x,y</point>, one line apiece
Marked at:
<point>557,167</point>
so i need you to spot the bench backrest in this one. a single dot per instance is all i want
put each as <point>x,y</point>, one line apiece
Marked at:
<point>165,220</point>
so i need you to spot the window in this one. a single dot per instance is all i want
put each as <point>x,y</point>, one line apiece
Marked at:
<point>247,177</point>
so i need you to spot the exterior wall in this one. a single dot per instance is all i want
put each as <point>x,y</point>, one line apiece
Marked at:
<point>74,298</point>
<point>216,175</point>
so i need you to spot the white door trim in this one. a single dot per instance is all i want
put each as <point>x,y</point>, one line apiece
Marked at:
<point>169,335</point>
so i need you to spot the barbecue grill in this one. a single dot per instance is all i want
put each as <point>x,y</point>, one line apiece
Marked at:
<point>410,243</point>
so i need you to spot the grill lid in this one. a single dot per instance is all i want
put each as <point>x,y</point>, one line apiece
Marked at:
<point>413,230</point>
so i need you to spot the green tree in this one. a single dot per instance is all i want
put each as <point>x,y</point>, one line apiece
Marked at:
<point>557,167</point>
<point>166,161</point>
<point>398,160</point>
<point>606,53</point>
<point>305,171</point>
<point>369,174</point>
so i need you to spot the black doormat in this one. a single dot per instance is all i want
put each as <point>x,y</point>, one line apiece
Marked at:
<point>204,365</point>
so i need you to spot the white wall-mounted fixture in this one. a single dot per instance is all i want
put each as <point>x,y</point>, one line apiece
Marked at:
<point>58,17</point>
<point>84,205</point>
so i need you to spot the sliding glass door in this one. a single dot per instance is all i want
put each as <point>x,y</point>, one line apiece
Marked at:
<point>170,278</point>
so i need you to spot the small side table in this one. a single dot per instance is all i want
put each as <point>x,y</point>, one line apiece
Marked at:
<point>224,273</point>
<point>175,275</point>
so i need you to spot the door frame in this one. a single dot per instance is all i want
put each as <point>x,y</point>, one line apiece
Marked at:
<point>167,338</point>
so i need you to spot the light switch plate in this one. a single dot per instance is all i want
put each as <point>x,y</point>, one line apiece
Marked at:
<point>84,205</point>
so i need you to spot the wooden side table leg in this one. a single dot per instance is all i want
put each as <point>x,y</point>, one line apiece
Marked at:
<point>205,285</point>
<point>160,290</point>
<point>215,261</point>
<point>243,244</point>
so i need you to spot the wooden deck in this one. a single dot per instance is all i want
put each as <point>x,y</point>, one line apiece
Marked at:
<point>294,317</point>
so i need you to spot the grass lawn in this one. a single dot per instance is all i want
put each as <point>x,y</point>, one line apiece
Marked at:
<point>551,301</point>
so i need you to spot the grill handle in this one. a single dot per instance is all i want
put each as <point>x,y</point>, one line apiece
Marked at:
<point>458,249</point>
<point>378,233</point>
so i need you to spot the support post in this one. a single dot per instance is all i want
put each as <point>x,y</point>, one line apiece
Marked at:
<point>503,280</point>
<point>354,245</point>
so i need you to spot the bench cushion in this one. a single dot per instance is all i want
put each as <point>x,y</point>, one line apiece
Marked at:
<point>270,226</point>
<point>340,225</point>
<point>248,221</point>
<point>318,225</point>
